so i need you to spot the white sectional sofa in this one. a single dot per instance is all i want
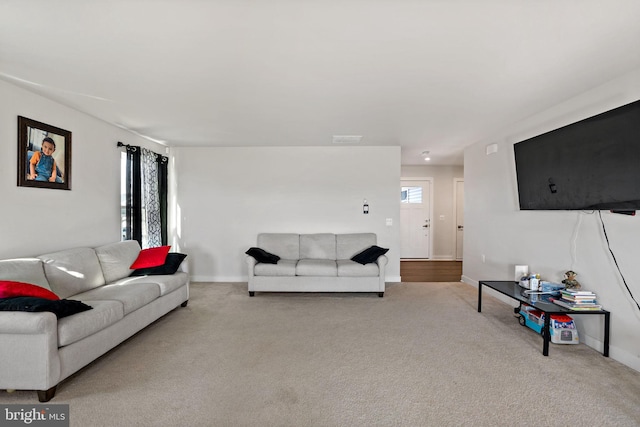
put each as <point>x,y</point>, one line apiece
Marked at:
<point>38,350</point>
<point>316,263</point>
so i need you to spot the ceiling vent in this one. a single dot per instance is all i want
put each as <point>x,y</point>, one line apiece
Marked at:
<point>347,139</point>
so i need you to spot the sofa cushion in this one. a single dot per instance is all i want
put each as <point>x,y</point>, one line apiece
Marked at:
<point>81,325</point>
<point>151,257</point>
<point>166,283</point>
<point>72,271</point>
<point>28,270</point>
<point>347,245</point>
<point>285,245</point>
<point>316,267</point>
<point>369,255</point>
<point>261,255</point>
<point>284,267</point>
<point>131,295</point>
<point>10,288</point>
<point>170,266</point>
<point>115,259</point>
<point>318,246</point>
<point>348,268</point>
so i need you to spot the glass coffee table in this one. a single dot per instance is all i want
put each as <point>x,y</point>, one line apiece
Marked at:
<point>542,303</point>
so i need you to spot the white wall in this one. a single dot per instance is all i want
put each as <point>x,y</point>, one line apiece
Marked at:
<point>34,221</point>
<point>552,242</point>
<point>443,221</point>
<point>226,196</point>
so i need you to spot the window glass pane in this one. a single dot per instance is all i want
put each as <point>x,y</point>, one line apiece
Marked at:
<point>411,195</point>
<point>123,196</point>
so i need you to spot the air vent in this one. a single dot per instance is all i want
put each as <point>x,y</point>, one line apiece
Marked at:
<point>347,139</point>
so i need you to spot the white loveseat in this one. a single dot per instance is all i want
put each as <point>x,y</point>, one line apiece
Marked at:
<point>38,351</point>
<point>316,263</point>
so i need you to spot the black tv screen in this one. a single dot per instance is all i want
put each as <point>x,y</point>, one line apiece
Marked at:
<point>590,164</point>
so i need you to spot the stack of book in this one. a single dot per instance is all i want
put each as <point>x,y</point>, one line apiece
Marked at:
<point>577,300</point>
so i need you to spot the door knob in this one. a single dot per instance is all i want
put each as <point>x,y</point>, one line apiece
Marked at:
<point>460,227</point>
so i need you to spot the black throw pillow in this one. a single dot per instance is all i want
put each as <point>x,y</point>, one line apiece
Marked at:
<point>369,255</point>
<point>61,308</point>
<point>263,256</point>
<point>170,266</point>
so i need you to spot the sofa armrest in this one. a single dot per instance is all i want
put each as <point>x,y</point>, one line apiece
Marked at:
<point>251,263</point>
<point>382,266</point>
<point>21,322</point>
<point>382,261</point>
<point>184,266</point>
<point>29,350</point>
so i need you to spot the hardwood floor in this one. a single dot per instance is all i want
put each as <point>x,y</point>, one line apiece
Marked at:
<point>430,271</point>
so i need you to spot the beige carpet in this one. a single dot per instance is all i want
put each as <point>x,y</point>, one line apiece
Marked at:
<point>420,356</point>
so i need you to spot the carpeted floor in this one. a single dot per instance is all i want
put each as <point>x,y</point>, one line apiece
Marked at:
<point>420,356</point>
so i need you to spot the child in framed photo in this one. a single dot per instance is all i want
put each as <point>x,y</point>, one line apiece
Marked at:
<point>42,165</point>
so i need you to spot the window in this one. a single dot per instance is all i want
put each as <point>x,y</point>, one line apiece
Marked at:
<point>411,195</point>
<point>143,200</point>
<point>123,196</point>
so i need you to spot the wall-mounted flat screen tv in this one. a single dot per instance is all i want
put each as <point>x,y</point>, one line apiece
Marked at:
<point>590,164</point>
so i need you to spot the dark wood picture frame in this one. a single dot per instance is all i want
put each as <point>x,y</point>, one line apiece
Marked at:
<point>32,136</point>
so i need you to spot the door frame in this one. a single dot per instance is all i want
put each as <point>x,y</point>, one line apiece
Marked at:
<point>431,222</point>
<point>455,219</point>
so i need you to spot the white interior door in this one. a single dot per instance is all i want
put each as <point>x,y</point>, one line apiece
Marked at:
<point>415,219</point>
<point>459,199</point>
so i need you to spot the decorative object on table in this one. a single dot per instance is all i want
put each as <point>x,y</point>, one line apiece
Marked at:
<point>44,155</point>
<point>570,281</point>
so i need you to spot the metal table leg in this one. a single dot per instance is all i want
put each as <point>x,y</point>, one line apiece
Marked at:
<point>546,334</point>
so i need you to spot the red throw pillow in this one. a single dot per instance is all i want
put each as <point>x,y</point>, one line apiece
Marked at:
<point>151,257</point>
<point>9,288</point>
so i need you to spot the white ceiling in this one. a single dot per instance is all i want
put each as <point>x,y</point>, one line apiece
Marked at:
<point>434,75</point>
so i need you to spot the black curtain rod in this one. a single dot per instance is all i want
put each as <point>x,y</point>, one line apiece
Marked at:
<point>159,157</point>
<point>129,147</point>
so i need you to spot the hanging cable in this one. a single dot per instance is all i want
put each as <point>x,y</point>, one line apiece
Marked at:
<point>574,239</point>
<point>615,261</point>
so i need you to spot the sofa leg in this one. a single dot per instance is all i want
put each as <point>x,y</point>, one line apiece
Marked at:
<point>47,395</point>
<point>184,304</point>
<point>380,294</point>
<point>251,293</point>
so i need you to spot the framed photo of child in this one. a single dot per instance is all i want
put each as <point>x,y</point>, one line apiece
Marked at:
<point>44,155</point>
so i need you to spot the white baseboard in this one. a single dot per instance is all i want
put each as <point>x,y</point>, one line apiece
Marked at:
<point>469,281</point>
<point>231,279</point>
<point>622,356</point>
<point>244,279</point>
